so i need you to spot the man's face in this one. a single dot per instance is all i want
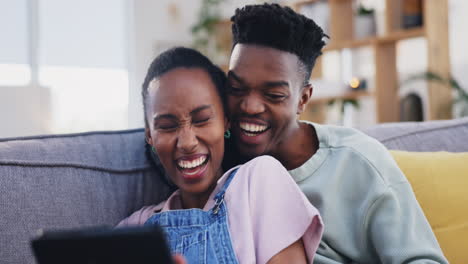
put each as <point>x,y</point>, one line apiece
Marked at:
<point>264,97</point>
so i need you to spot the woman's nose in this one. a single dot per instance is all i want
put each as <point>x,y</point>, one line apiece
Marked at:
<point>187,140</point>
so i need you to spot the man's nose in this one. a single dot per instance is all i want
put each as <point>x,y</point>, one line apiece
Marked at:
<point>187,140</point>
<point>252,105</point>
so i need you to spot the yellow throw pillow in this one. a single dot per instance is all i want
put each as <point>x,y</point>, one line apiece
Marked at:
<point>440,183</point>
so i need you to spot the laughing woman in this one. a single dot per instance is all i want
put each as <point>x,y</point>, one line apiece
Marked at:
<point>253,213</point>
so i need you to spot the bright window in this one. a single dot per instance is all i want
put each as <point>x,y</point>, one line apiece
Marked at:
<point>83,61</point>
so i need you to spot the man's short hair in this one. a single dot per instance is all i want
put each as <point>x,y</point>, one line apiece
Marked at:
<point>281,28</point>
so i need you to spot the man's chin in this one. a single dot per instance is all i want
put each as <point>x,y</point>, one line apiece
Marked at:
<point>249,152</point>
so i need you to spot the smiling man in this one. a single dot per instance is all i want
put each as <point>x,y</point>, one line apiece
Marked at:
<point>368,207</point>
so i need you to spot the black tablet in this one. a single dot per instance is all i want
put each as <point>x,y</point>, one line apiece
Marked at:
<point>102,245</point>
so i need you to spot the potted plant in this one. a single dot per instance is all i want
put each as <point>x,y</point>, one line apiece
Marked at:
<point>460,101</point>
<point>211,34</point>
<point>364,22</point>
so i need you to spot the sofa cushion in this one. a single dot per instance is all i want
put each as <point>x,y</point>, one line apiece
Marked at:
<point>447,135</point>
<point>70,181</point>
<point>439,181</point>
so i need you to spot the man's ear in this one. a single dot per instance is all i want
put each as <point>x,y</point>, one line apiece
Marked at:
<point>306,94</point>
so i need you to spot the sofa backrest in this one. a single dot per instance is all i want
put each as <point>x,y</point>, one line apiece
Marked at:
<point>447,135</point>
<point>99,178</point>
<point>69,181</point>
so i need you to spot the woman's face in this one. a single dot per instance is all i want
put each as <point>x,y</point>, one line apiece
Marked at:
<point>186,127</point>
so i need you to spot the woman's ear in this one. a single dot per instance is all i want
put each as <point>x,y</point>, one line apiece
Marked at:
<point>148,138</point>
<point>306,93</point>
<point>227,124</point>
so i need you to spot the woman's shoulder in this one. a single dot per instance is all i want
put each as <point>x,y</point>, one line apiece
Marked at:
<point>264,161</point>
<point>139,217</point>
<point>264,164</point>
<point>261,169</point>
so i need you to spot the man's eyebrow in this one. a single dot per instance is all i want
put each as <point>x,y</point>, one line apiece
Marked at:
<point>200,108</point>
<point>232,75</point>
<point>268,84</point>
<point>276,84</point>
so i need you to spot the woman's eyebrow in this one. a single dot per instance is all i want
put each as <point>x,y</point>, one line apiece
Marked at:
<point>200,108</point>
<point>164,116</point>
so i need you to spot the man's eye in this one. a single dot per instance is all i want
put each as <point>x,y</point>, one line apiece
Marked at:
<point>237,90</point>
<point>276,97</point>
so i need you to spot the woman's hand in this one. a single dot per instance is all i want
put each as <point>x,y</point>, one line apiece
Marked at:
<point>179,259</point>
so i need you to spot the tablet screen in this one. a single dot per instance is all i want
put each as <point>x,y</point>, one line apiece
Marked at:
<point>102,245</point>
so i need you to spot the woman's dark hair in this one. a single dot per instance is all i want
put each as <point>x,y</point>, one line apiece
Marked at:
<point>278,27</point>
<point>180,57</point>
<point>171,59</point>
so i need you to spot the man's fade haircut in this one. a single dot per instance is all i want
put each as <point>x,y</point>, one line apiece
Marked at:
<point>281,28</point>
<point>180,57</point>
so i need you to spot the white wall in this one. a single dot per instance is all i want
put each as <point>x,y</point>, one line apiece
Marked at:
<point>458,20</point>
<point>157,25</point>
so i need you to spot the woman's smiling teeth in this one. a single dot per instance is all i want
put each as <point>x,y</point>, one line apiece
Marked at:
<point>190,164</point>
<point>251,129</point>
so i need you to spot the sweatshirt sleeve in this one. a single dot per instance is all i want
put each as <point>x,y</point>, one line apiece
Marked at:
<point>280,212</point>
<point>395,226</point>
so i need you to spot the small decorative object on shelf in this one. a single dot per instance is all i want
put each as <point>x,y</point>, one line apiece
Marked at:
<point>356,84</point>
<point>412,13</point>
<point>411,108</point>
<point>364,23</point>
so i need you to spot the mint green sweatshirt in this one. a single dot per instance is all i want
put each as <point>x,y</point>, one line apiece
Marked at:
<point>368,207</point>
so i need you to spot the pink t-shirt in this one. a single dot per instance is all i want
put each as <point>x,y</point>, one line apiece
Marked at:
<point>267,211</point>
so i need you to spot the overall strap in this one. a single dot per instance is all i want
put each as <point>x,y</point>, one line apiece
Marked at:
<point>219,197</point>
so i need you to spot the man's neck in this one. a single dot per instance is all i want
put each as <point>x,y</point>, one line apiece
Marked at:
<point>297,147</point>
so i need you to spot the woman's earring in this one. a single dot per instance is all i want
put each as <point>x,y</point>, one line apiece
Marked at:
<point>227,134</point>
<point>153,149</point>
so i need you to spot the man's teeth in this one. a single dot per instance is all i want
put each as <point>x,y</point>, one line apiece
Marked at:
<point>249,127</point>
<point>185,164</point>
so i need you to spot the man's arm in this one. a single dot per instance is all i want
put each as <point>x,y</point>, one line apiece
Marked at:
<point>395,226</point>
<point>295,253</point>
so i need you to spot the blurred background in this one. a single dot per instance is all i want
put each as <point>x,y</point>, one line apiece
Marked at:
<point>74,66</point>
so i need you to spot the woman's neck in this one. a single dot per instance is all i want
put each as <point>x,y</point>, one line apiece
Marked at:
<point>198,200</point>
<point>194,200</point>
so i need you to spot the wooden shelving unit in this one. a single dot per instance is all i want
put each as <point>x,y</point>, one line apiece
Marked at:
<point>346,96</point>
<point>435,30</point>
<point>392,37</point>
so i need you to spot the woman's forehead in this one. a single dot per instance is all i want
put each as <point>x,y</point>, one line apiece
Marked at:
<point>181,88</point>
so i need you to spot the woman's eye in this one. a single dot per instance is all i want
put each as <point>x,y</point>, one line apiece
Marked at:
<point>166,126</point>
<point>200,120</point>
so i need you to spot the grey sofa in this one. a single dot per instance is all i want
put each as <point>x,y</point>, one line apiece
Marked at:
<point>98,178</point>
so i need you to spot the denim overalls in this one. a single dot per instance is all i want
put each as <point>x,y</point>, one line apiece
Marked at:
<point>200,236</point>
